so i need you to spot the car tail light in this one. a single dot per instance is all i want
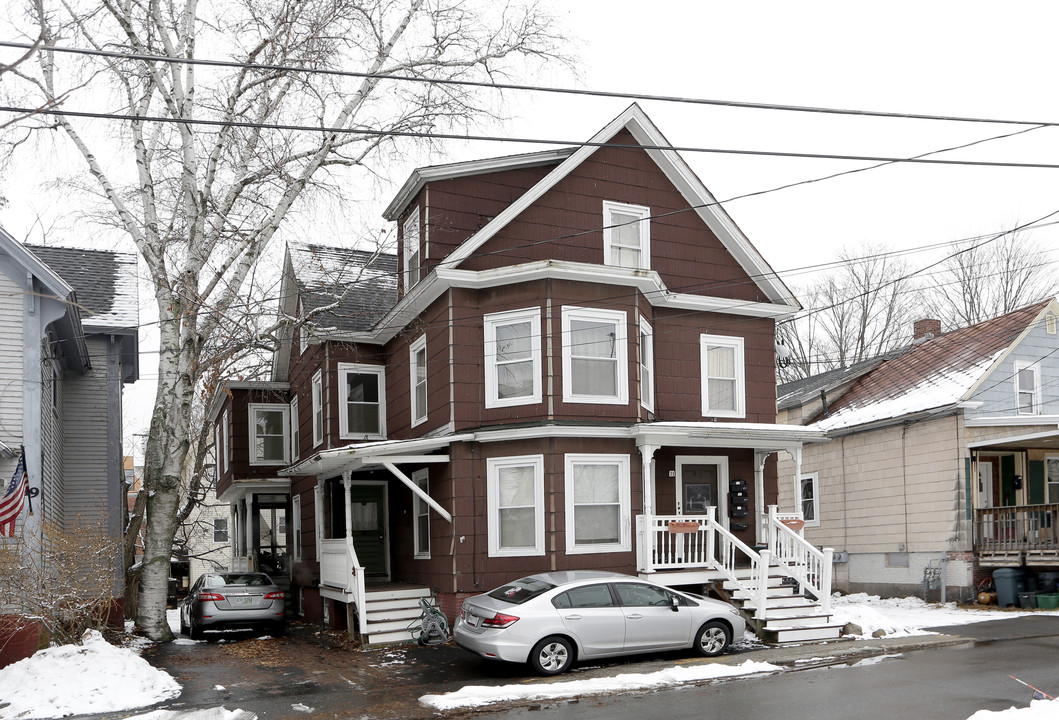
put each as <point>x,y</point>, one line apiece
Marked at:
<point>278,595</point>
<point>463,613</point>
<point>500,620</point>
<point>204,596</point>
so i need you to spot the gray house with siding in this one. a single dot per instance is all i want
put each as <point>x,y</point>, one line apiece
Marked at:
<point>68,345</point>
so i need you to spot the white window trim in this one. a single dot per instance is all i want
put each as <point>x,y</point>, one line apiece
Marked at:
<point>413,350</point>
<point>624,483</point>
<point>647,390</point>
<point>296,521</point>
<point>226,456</point>
<point>497,320</point>
<point>740,375</point>
<point>284,409</point>
<point>318,516</point>
<point>318,407</point>
<point>815,478</point>
<point>218,450</point>
<point>343,415</point>
<point>226,531</point>
<point>295,429</point>
<point>303,331</point>
<point>1036,369</point>
<point>618,318</point>
<point>422,479</point>
<point>409,267</point>
<point>493,467</point>
<point>644,227</point>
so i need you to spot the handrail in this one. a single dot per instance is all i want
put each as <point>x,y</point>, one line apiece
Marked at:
<point>340,568</point>
<point>809,565</point>
<point>728,544</point>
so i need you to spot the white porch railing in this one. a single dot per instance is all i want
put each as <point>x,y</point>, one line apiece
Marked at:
<point>340,568</point>
<point>806,563</point>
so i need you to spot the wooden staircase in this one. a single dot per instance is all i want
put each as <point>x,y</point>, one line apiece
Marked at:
<point>791,615</point>
<point>389,612</point>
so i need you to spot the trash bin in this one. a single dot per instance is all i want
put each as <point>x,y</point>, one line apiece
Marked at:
<point>1009,583</point>
<point>1047,601</point>
<point>1046,581</point>
<point>1028,600</point>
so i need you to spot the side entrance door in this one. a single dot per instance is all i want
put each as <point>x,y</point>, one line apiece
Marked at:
<point>368,504</point>
<point>702,483</point>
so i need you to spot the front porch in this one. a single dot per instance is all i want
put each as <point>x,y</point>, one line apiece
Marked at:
<point>1017,535</point>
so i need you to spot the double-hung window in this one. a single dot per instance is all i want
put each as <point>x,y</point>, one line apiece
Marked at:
<point>226,447</point>
<point>516,505</point>
<point>810,489</point>
<point>597,503</point>
<point>723,376</point>
<point>269,442</point>
<point>513,358</point>
<point>647,366</point>
<point>626,235</point>
<point>218,448</point>
<point>220,530</point>
<point>296,519</point>
<point>318,407</point>
<point>417,363</point>
<point>295,429</point>
<point>1027,389</point>
<point>595,356</point>
<point>363,393</point>
<point>421,528</point>
<point>412,244</point>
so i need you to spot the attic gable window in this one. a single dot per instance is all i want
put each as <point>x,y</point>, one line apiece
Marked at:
<point>1027,389</point>
<point>723,376</point>
<point>412,245</point>
<point>626,235</point>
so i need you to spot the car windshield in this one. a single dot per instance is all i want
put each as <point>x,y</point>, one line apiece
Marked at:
<point>251,579</point>
<point>520,591</point>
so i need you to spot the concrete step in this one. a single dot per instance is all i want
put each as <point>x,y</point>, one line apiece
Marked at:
<point>395,637</point>
<point>803,633</point>
<point>394,594</point>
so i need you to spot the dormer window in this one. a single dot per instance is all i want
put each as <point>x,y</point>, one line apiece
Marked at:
<point>626,235</point>
<point>412,245</point>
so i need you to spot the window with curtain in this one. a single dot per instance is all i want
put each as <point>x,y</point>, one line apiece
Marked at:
<point>597,503</point>
<point>723,376</point>
<point>513,358</point>
<point>626,235</point>
<point>595,368</point>
<point>364,405</point>
<point>516,505</point>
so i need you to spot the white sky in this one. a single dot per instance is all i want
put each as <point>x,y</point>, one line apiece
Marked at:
<point>947,58</point>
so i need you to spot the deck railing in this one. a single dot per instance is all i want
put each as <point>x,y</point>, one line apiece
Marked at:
<point>1010,530</point>
<point>809,565</point>
<point>340,569</point>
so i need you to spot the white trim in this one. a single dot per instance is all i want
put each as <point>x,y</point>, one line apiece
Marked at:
<point>420,345</point>
<point>646,348</point>
<point>296,527</point>
<point>284,409</point>
<point>218,450</point>
<point>623,464</point>
<point>226,422</point>
<point>493,467</point>
<point>413,273</point>
<point>616,318</point>
<point>721,502</point>
<point>814,478</point>
<point>491,323</point>
<point>295,429</point>
<point>1035,369</point>
<point>317,391</point>
<point>419,509</point>
<point>379,371</point>
<point>318,513</point>
<point>643,227</point>
<point>736,344</point>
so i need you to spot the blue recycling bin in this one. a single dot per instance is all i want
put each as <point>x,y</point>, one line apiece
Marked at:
<point>1009,583</point>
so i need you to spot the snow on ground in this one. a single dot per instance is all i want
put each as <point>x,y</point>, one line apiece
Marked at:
<point>476,695</point>
<point>1038,710</point>
<point>906,617</point>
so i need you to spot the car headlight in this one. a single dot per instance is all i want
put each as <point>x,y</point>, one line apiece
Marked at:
<point>734,610</point>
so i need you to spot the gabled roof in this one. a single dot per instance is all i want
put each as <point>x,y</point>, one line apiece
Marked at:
<point>935,374</point>
<point>676,170</point>
<point>324,274</point>
<point>105,282</point>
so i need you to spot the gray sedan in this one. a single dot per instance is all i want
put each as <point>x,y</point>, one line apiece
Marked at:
<point>232,600</point>
<point>552,619</point>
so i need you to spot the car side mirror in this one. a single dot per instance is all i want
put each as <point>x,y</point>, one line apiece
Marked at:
<point>674,603</point>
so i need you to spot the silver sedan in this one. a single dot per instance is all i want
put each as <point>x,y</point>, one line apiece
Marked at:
<point>552,619</point>
<point>233,600</point>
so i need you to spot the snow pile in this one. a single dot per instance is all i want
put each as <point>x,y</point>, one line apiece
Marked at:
<point>1038,710</point>
<point>478,695</point>
<point>93,677</point>
<point>217,713</point>
<point>906,617</point>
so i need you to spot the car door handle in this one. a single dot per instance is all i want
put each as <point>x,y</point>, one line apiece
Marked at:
<point>573,617</point>
<point>635,616</point>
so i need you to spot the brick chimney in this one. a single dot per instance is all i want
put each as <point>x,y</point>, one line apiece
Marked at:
<point>925,329</point>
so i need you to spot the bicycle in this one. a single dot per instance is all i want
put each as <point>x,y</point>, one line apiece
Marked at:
<point>432,627</point>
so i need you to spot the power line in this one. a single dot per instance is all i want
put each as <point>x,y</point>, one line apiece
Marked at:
<point>262,67</point>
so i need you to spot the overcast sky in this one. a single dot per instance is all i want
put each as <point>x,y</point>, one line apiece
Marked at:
<point>976,59</point>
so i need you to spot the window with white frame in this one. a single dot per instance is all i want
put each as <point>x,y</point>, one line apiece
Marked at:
<point>810,489</point>
<point>723,376</point>
<point>318,407</point>
<point>303,332</point>
<point>269,442</point>
<point>1050,324</point>
<point>295,429</point>
<point>1051,474</point>
<point>597,503</point>
<point>595,356</point>
<point>516,505</point>
<point>220,530</point>
<point>296,521</point>
<point>218,448</point>
<point>417,363</point>
<point>421,511</point>
<point>363,393</point>
<point>226,447</point>
<point>1027,388</point>
<point>412,244</point>
<point>647,366</point>
<point>513,358</point>
<point>626,235</point>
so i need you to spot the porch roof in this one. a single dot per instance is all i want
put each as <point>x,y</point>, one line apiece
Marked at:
<point>368,454</point>
<point>1044,439</point>
<point>759,436</point>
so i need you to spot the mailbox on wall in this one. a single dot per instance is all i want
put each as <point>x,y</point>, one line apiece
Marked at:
<point>738,499</point>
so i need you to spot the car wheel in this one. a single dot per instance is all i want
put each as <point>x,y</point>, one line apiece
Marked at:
<point>552,655</point>
<point>194,631</point>
<point>713,638</point>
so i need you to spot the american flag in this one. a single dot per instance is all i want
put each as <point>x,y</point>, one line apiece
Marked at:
<point>14,498</point>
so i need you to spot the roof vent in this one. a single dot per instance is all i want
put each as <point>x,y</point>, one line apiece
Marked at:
<point>925,329</point>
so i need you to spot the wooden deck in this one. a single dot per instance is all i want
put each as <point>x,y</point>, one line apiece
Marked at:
<point>1017,535</point>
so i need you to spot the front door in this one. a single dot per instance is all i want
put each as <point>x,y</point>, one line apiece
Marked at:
<point>368,503</point>
<point>702,483</point>
<point>985,497</point>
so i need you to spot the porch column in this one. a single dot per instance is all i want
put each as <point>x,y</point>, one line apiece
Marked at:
<point>248,525</point>
<point>647,463</point>
<point>645,523</point>
<point>796,453</point>
<point>233,534</point>
<point>760,457</point>
<point>347,483</point>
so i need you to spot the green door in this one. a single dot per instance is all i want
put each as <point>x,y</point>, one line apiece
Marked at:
<point>369,529</point>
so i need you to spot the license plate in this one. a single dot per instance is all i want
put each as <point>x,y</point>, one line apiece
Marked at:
<point>242,600</point>
<point>473,620</point>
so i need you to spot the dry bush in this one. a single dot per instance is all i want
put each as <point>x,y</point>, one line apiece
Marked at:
<point>63,580</point>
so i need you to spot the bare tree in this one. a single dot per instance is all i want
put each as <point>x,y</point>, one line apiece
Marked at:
<point>201,177</point>
<point>985,278</point>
